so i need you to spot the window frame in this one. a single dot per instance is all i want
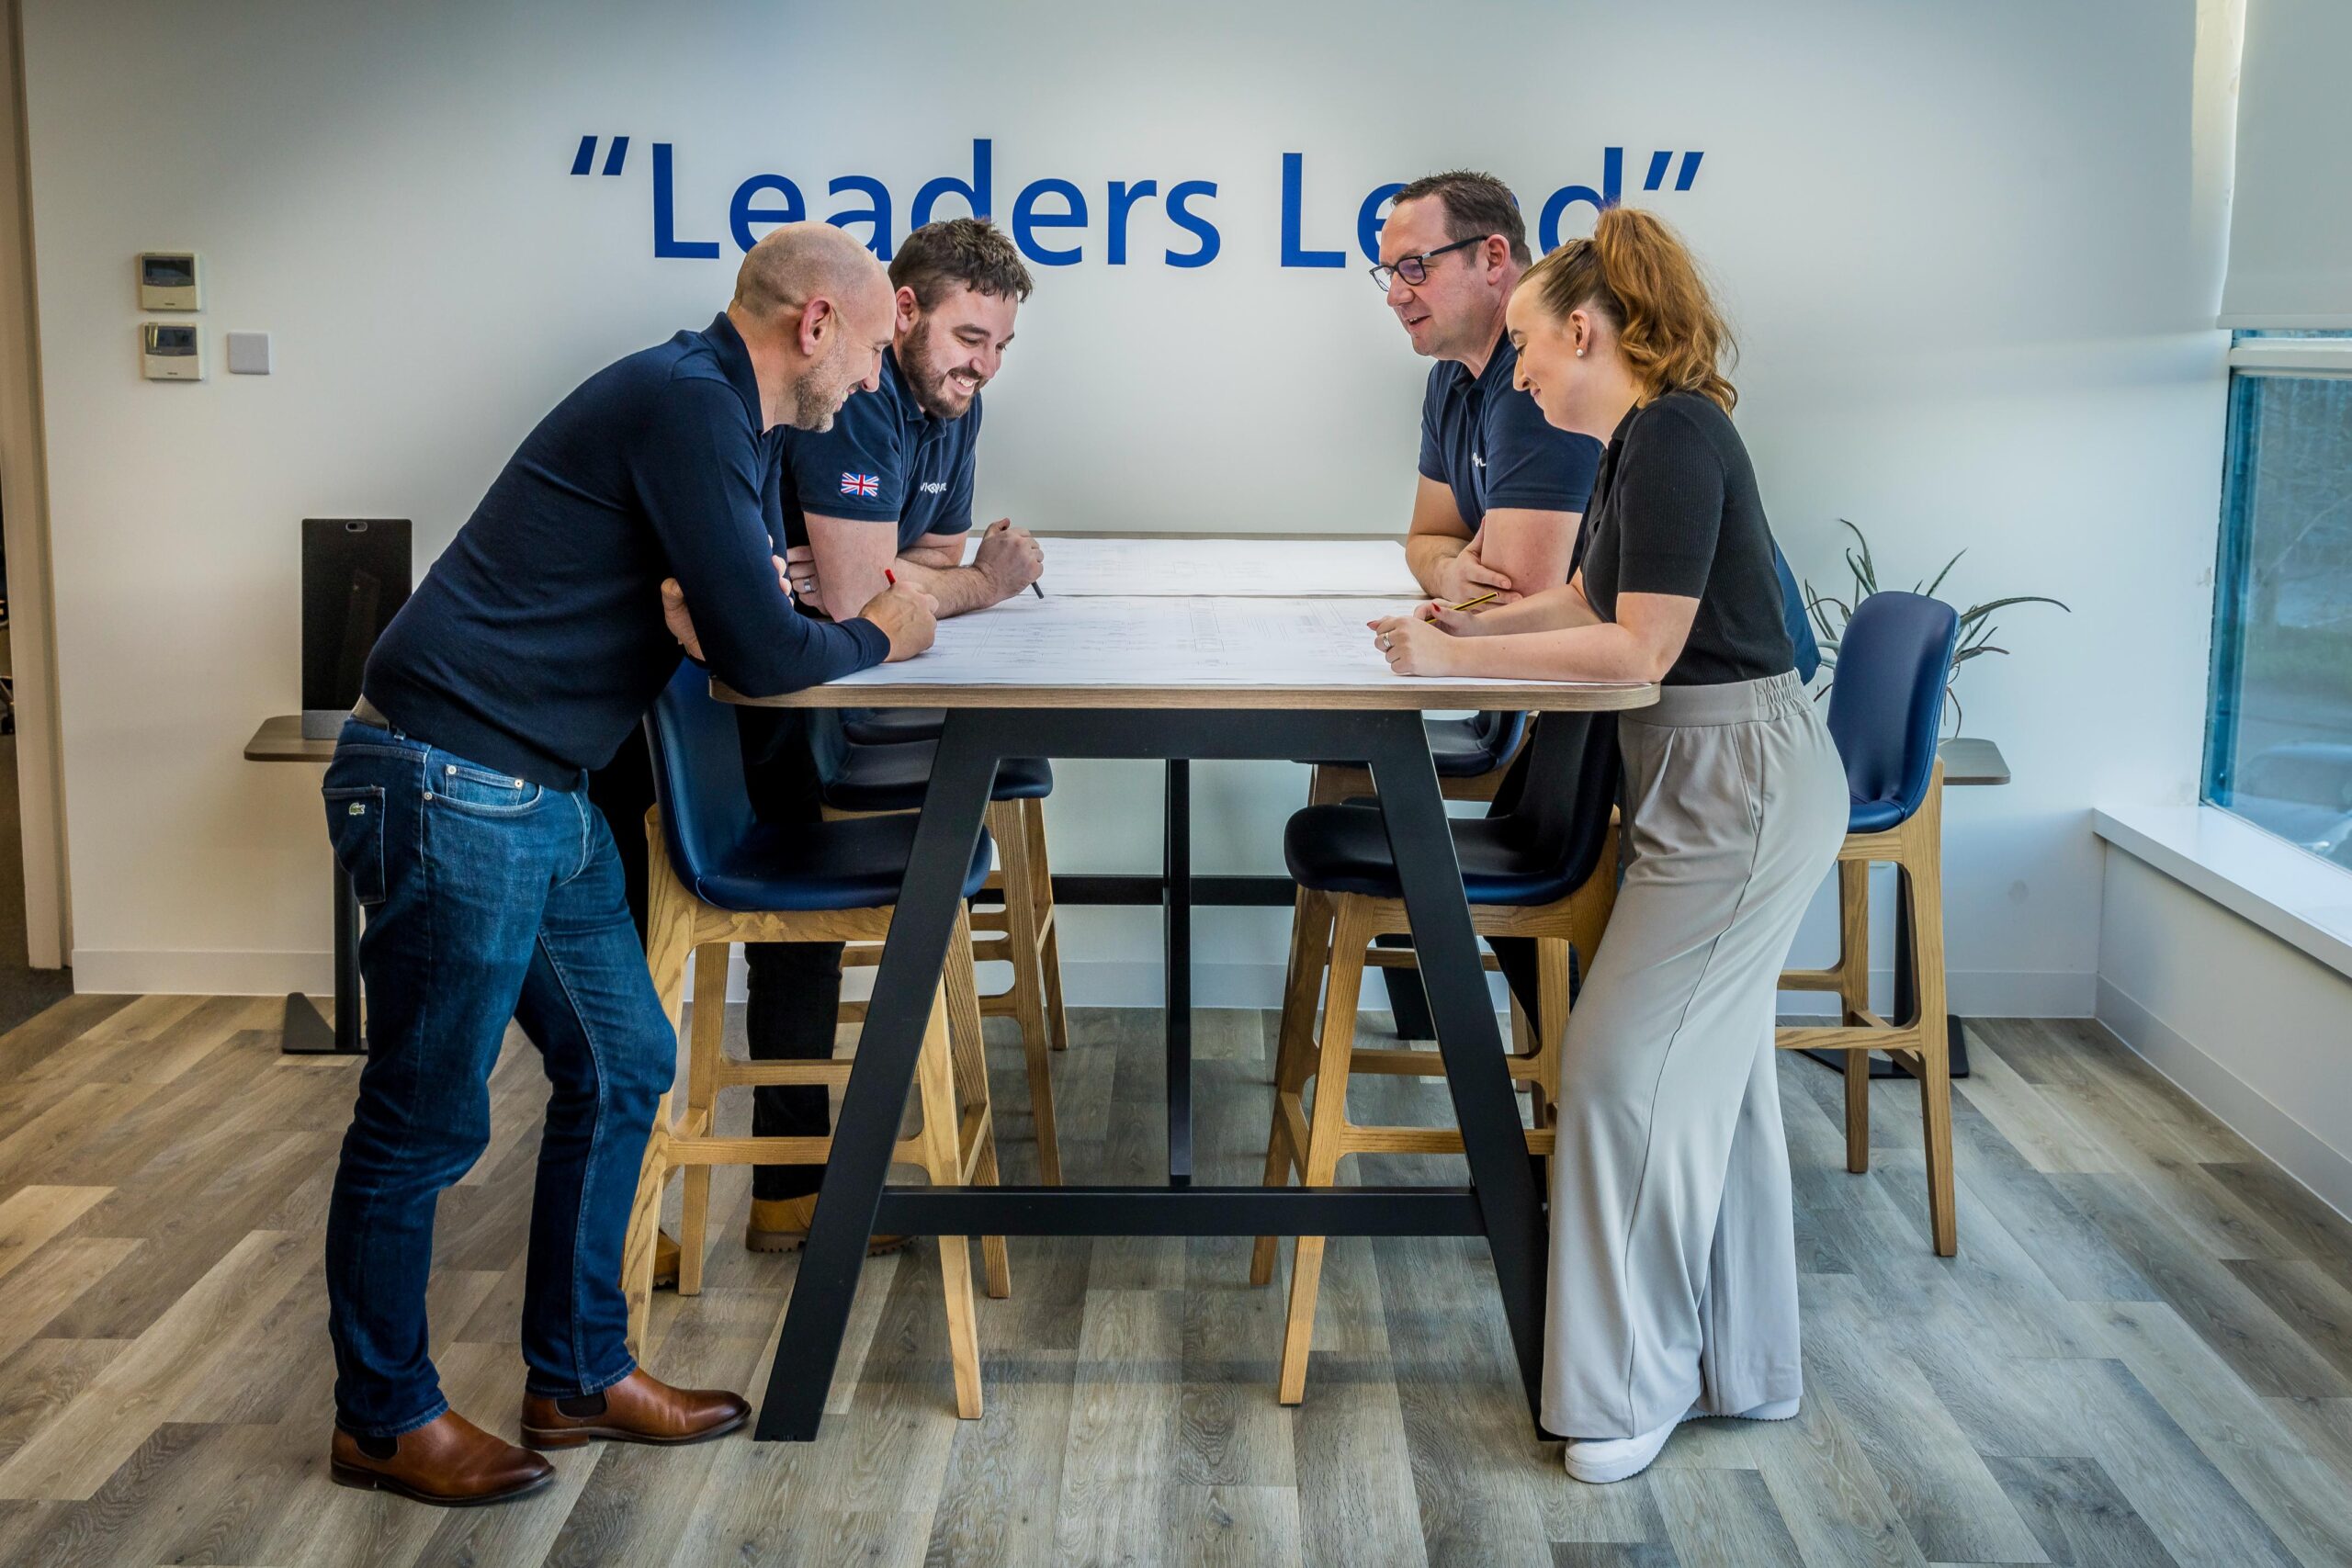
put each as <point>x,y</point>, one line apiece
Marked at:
<point>2254,357</point>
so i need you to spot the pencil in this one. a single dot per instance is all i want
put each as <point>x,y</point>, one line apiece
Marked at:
<point>1474,603</point>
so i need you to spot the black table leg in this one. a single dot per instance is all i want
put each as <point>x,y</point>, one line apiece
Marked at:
<point>1502,1174</point>
<point>1176,906</point>
<point>306,1034</point>
<point>904,985</point>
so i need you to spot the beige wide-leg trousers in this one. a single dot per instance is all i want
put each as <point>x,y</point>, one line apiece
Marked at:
<point>1673,1270</point>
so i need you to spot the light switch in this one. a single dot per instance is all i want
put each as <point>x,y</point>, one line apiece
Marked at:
<point>248,353</point>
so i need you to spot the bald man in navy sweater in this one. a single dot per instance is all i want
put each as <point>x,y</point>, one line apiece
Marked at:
<point>458,805</point>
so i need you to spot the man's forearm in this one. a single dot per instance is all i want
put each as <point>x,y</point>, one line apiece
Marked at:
<point>1428,555</point>
<point>958,589</point>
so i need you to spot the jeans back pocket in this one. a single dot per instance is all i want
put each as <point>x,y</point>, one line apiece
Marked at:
<point>355,824</point>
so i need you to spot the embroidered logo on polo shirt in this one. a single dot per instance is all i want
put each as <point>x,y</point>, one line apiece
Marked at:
<point>861,484</point>
<point>1476,461</point>
<point>934,487</point>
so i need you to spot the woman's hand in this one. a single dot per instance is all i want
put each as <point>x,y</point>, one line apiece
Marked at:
<point>1414,646</point>
<point>1457,622</point>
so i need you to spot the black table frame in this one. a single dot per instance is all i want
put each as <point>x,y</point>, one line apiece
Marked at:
<point>305,1032</point>
<point>1504,1201</point>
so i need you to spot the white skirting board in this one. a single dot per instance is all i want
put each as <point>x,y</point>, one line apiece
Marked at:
<point>2299,1151</point>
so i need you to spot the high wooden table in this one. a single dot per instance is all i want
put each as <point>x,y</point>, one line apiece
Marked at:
<point>281,739</point>
<point>1166,679</point>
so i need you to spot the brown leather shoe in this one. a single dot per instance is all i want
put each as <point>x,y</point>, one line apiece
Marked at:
<point>640,1408</point>
<point>781,1225</point>
<point>448,1462</point>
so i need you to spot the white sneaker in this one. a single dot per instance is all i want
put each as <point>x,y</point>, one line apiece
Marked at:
<point>1779,1410</point>
<point>1602,1460</point>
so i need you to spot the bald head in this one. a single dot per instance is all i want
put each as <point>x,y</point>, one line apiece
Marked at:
<point>816,310</point>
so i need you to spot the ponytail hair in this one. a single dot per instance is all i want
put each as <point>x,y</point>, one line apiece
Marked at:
<point>1635,271</point>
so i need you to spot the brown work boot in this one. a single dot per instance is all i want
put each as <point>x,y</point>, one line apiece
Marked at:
<point>781,1225</point>
<point>640,1408</point>
<point>448,1462</point>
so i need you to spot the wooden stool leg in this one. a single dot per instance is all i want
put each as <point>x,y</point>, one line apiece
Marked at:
<point>1011,836</point>
<point>1310,945</point>
<point>1923,875</point>
<point>935,1088</point>
<point>669,923</point>
<point>703,1052</point>
<point>1551,1028</point>
<point>1854,998</point>
<point>969,1056</point>
<point>1324,1134</point>
<point>645,1228</point>
<point>1048,922</point>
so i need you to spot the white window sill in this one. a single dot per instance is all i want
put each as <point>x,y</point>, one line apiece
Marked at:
<point>2298,897</point>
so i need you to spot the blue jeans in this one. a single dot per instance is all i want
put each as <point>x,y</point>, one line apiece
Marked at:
<point>486,898</point>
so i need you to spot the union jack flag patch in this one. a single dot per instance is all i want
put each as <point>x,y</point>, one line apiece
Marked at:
<point>861,484</point>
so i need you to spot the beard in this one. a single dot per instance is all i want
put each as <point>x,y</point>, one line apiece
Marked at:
<point>927,382</point>
<point>819,392</point>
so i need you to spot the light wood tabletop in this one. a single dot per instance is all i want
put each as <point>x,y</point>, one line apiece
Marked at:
<point>1174,651</point>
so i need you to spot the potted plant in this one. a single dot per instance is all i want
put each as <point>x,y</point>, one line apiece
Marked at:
<point>1976,627</point>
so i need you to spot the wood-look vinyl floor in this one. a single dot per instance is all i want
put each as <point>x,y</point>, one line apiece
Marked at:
<point>2142,1356</point>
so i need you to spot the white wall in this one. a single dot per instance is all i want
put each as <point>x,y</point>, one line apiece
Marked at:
<point>2251,1027</point>
<point>1962,243</point>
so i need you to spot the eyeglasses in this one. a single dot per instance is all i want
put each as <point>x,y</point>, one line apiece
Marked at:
<point>1415,270</point>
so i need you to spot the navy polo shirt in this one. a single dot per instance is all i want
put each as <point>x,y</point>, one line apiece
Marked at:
<point>885,461</point>
<point>1488,442</point>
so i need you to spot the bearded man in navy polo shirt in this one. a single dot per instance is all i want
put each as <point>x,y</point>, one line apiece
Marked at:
<point>887,487</point>
<point>890,486</point>
<point>1503,493</point>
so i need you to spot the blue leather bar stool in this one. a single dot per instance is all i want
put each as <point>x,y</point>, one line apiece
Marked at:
<point>857,779</point>
<point>717,877</point>
<point>881,727</point>
<point>1546,870</point>
<point>1886,703</point>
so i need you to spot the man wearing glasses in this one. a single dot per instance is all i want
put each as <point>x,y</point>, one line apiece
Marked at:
<point>1501,493</point>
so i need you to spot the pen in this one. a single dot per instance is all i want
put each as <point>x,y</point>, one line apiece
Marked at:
<point>1038,591</point>
<point>892,577</point>
<point>1474,603</point>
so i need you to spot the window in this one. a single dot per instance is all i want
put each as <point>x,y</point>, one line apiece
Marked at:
<point>2279,733</point>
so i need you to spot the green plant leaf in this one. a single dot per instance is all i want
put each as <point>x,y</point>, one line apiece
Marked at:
<point>1930,589</point>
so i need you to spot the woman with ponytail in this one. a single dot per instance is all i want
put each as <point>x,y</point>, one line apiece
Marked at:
<point>1674,1281</point>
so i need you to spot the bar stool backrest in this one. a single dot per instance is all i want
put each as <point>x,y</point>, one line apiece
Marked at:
<point>1794,615</point>
<point>697,774</point>
<point>1560,815</point>
<point>1887,699</point>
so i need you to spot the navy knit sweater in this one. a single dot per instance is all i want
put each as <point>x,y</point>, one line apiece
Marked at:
<point>536,639</point>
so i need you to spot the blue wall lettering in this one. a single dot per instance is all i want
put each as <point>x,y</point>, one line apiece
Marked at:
<point>1370,219</point>
<point>1612,184</point>
<point>665,217</point>
<point>1294,254</point>
<point>1123,196</point>
<point>1027,221</point>
<point>1045,208</point>
<point>1193,223</point>
<point>977,195</point>
<point>741,214</point>
<point>876,213</point>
